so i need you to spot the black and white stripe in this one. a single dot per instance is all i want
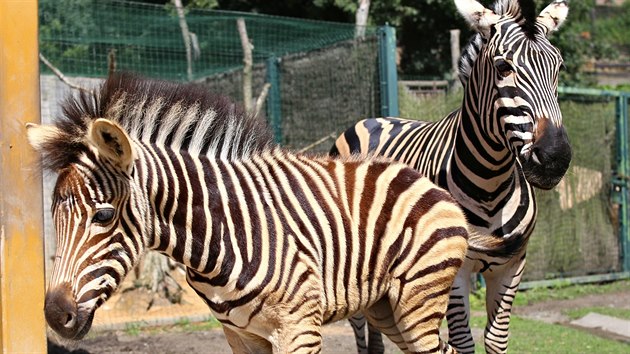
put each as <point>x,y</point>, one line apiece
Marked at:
<point>276,243</point>
<point>506,139</point>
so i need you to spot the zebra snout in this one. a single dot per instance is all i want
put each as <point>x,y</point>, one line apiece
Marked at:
<point>549,158</point>
<point>61,311</point>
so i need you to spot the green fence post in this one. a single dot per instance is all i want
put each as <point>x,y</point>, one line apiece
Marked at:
<point>623,176</point>
<point>274,111</point>
<point>388,75</point>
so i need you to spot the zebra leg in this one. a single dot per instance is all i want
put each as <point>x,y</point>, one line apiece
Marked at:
<point>374,344</point>
<point>375,340</point>
<point>358,322</point>
<point>418,309</point>
<point>501,286</point>
<point>381,320</point>
<point>458,314</point>
<point>243,342</point>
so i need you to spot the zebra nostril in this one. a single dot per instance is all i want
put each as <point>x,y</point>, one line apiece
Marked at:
<point>71,320</point>
<point>534,158</point>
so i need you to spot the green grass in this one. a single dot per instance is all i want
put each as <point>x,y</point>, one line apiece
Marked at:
<point>560,292</point>
<point>186,326</point>
<point>529,336</point>
<point>133,329</point>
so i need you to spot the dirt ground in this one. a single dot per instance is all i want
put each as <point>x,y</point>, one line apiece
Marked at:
<point>337,337</point>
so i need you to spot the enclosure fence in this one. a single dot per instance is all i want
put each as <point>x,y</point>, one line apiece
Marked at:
<point>582,227</point>
<point>323,79</point>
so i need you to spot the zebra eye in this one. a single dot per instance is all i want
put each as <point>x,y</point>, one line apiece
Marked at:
<point>504,67</point>
<point>103,216</point>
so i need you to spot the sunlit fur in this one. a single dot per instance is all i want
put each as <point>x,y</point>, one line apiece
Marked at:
<point>506,139</point>
<point>277,244</point>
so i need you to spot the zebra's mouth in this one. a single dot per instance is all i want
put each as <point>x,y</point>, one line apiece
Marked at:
<point>85,328</point>
<point>64,316</point>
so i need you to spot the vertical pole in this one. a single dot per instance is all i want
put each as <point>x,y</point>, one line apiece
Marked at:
<point>22,329</point>
<point>623,175</point>
<point>387,71</point>
<point>274,108</point>
<point>455,54</point>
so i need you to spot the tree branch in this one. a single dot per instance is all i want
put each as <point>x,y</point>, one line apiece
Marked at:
<point>318,142</point>
<point>263,96</point>
<point>61,76</point>
<point>185,34</point>
<point>247,61</point>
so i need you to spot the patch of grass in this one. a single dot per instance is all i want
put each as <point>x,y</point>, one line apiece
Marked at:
<point>568,292</point>
<point>574,314</point>
<point>187,326</point>
<point>133,329</point>
<point>559,292</point>
<point>529,336</point>
<point>430,108</point>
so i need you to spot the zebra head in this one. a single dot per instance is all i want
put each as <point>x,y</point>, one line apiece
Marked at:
<point>98,237</point>
<point>511,71</point>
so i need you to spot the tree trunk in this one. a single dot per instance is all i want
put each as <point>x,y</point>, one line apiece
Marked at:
<point>153,273</point>
<point>185,35</point>
<point>362,17</point>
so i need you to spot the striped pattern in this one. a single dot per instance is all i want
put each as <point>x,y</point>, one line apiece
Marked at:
<point>505,140</point>
<point>277,244</point>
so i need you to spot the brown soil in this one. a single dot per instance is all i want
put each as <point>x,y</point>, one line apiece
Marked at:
<point>109,334</point>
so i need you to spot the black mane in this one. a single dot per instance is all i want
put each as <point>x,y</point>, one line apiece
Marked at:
<point>180,116</point>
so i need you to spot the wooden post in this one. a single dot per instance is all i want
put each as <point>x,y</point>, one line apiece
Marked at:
<point>22,326</point>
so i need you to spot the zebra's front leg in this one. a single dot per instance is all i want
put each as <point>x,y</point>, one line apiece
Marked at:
<point>501,285</point>
<point>458,314</point>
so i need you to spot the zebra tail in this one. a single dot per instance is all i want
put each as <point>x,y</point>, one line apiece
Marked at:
<point>495,246</point>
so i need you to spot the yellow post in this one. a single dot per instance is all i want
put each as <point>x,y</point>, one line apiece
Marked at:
<point>22,329</point>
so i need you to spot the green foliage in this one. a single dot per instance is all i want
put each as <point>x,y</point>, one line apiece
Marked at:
<point>428,108</point>
<point>133,328</point>
<point>614,27</point>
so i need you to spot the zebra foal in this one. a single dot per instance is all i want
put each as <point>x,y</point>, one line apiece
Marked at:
<point>505,140</point>
<point>276,243</point>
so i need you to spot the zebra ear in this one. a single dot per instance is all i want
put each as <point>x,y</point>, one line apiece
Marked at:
<point>39,135</point>
<point>478,17</point>
<point>554,15</point>
<point>112,142</point>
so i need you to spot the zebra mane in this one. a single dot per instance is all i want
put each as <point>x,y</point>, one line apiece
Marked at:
<point>179,116</point>
<point>523,11</point>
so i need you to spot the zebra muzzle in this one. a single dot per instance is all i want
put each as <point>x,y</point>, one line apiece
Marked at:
<point>63,315</point>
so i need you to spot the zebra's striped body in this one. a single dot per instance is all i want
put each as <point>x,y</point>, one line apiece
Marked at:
<point>277,244</point>
<point>505,140</point>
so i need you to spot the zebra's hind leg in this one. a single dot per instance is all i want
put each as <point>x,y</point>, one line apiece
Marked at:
<point>358,323</point>
<point>419,307</point>
<point>458,314</point>
<point>381,320</point>
<point>374,342</point>
<point>244,342</point>
<point>501,285</point>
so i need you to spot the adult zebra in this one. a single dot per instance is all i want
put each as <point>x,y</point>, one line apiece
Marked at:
<point>277,244</point>
<point>506,139</point>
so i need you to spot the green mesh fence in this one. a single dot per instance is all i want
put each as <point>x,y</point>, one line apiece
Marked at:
<point>325,77</point>
<point>577,230</point>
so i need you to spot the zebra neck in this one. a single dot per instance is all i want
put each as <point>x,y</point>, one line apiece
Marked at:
<point>186,200</point>
<point>481,167</point>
